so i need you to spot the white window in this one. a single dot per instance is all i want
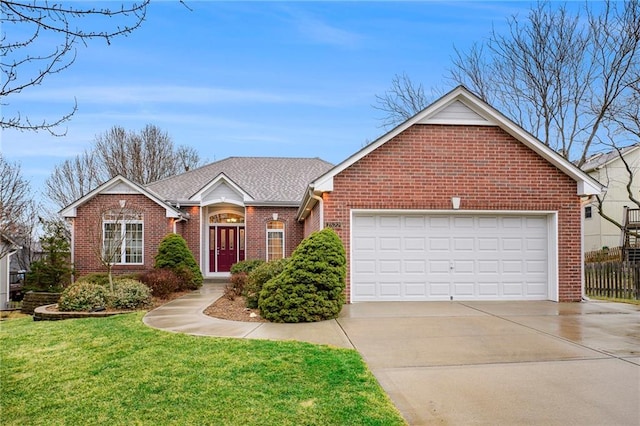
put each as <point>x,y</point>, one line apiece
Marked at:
<point>587,212</point>
<point>275,240</point>
<point>122,237</point>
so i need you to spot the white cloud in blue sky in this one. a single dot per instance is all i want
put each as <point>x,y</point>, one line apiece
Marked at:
<point>250,78</point>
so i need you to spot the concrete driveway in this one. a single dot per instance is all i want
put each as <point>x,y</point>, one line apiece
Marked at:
<point>470,363</point>
<point>503,363</point>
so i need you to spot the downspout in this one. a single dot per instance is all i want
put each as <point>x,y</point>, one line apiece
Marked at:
<point>319,199</point>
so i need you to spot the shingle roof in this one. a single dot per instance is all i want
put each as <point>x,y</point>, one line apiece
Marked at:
<point>265,179</point>
<point>600,159</point>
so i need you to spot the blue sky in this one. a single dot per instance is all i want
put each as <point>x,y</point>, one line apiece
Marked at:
<point>250,78</point>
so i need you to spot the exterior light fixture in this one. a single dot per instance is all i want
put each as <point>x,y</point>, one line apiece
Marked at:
<point>455,201</point>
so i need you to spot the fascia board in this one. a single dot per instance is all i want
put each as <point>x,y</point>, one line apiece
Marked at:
<point>221,177</point>
<point>586,185</point>
<point>325,182</point>
<point>72,209</point>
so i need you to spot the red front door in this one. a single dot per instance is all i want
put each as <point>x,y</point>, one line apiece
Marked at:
<point>223,247</point>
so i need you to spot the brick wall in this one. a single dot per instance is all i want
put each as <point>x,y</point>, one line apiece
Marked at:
<point>423,167</point>
<point>312,222</point>
<point>256,219</point>
<point>88,231</point>
<point>190,230</point>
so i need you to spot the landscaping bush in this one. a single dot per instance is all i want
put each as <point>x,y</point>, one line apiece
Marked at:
<point>236,284</point>
<point>161,282</point>
<point>239,273</point>
<point>186,280</point>
<point>83,296</point>
<point>258,278</point>
<point>311,286</point>
<point>129,294</point>
<point>174,254</point>
<point>99,278</point>
<point>246,266</point>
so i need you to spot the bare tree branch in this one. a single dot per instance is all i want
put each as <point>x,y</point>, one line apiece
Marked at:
<point>143,157</point>
<point>26,61</point>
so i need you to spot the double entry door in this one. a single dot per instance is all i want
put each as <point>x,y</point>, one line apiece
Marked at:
<point>226,247</point>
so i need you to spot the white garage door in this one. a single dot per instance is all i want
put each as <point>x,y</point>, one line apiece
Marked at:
<point>449,257</point>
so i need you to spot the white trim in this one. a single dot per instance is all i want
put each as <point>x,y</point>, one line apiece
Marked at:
<point>221,178</point>
<point>117,182</point>
<point>586,185</point>
<point>552,237</point>
<point>123,239</point>
<point>281,231</point>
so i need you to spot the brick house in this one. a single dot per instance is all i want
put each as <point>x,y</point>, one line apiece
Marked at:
<point>456,203</point>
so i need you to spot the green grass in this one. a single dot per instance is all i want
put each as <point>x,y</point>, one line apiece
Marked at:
<point>616,299</point>
<point>118,371</point>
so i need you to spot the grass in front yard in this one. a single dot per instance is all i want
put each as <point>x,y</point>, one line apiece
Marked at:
<point>118,371</point>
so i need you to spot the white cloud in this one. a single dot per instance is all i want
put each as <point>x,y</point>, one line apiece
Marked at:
<point>200,95</point>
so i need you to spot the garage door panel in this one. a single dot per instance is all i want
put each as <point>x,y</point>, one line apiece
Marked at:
<point>435,257</point>
<point>415,244</point>
<point>439,290</point>
<point>463,244</point>
<point>415,267</point>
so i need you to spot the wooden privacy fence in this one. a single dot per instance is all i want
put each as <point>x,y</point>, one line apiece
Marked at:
<point>613,279</point>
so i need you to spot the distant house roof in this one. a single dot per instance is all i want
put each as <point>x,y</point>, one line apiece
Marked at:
<point>265,179</point>
<point>599,160</point>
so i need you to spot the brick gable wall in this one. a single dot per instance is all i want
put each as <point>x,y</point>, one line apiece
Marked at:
<point>426,165</point>
<point>88,229</point>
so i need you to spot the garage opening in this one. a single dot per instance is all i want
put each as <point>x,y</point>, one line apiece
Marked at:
<point>429,256</point>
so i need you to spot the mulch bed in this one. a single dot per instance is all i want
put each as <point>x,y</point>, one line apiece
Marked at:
<point>234,310</point>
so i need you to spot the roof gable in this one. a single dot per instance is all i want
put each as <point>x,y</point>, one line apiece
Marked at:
<point>461,107</point>
<point>270,180</point>
<point>221,189</point>
<point>119,185</point>
<point>597,161</point>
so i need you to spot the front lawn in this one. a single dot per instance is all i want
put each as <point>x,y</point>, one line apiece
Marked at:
<point>118,371</point>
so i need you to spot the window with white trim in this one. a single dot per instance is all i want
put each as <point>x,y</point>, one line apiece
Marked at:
<point>275,240</point>
<point>588,212</point>
<point>122,238</point>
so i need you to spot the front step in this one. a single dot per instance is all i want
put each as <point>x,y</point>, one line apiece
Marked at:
<point>216,280</point>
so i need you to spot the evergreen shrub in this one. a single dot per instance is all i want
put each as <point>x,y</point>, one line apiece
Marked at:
<point>174,254</point>
<point>258,277</point>
<point>246,266</point>
<point>311,286</point>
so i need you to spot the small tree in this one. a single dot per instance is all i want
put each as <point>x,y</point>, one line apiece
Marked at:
<point>311,287</point>
<point>116,225</point>
<point>174,254</point>
<point>53,272</point>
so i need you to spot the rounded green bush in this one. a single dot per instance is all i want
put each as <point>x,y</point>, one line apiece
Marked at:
<point>258,277</point>
<point>100,278</point>
<point>174,254</point>
<point>83,296</point>
<point>311,286</point>
<point>129,294</point>
<point>246,266</point>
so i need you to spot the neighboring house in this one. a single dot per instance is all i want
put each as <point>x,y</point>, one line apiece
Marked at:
<point>609,169</point>
<point>7,249</point>
<point>456,203</point>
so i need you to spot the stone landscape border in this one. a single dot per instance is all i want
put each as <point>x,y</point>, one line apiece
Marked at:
<point>42,313</point>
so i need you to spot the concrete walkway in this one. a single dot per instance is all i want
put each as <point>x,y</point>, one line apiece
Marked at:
<point>483,363</point>
<point>185,315</point>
